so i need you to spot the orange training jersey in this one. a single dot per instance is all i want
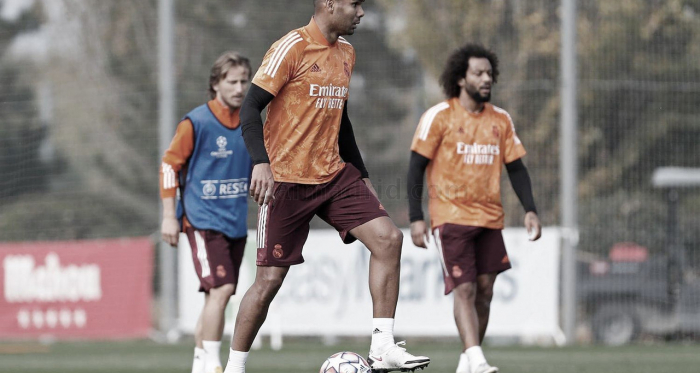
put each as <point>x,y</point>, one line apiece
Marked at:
<point>467,153</point>
<point>310,79</point>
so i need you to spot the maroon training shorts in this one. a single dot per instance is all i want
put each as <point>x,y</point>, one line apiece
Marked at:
<point>283,224</point>
<point>217,258</point>
<point>467,251</point>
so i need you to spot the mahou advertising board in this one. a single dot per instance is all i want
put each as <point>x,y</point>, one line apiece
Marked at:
<point>96,289</point>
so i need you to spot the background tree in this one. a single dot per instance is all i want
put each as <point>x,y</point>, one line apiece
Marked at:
<point>638,100</point>
<point>638,103</point>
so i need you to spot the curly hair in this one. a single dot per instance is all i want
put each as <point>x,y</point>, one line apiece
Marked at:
<point>458,63</point>
<point>222,65</point>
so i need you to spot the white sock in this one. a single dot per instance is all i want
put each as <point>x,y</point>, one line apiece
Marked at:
<point>211,359</point>
<point>476,357</point>
<point>382,335</point>
<point>198,360</point>
<point>236,361</point>
<point>463,365</point>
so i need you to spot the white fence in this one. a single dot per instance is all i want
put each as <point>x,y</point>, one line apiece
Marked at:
<point>328,295</point>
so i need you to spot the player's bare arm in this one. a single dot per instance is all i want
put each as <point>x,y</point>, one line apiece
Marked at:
<point>261,183</point>
<point>533,226</point>
<point>420,233</point>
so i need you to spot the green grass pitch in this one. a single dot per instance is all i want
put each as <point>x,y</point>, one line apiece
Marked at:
<point>306,356</point>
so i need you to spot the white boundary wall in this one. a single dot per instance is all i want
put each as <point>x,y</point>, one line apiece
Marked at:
<point>328,295</point>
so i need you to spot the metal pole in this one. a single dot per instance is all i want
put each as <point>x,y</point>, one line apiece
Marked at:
<point>674,249</point>
<point>166,88</point>
<point>568,167</point>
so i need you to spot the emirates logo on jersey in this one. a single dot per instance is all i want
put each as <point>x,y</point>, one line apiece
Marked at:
<point>315,68</point>
<point>329,96</point>
<point>478,153</point>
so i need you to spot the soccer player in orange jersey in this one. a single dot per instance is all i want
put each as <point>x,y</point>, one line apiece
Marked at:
<point>307,163</point>
<point>208,162</point>
<point>463,142</point>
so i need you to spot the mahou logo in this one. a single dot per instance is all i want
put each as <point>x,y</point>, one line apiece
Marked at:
<point>27,281</point>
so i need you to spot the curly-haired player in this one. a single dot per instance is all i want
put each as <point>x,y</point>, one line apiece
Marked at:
<point>464,142</point>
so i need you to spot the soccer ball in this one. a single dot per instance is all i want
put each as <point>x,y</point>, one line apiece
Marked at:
<point>345,362</point>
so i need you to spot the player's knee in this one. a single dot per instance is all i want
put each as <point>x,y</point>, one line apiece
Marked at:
<point>484,295</point>
<point>484,290</point>
<point>466,291</point>
<point>222,293</point>
<point>394,240</point>
<point>482,303</point>
<point>397,237</point>
<point>392,244</point>
<point>268,285</point>
<point>387,245</point>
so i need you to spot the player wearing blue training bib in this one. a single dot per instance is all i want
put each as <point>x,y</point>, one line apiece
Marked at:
<point>208,163</point>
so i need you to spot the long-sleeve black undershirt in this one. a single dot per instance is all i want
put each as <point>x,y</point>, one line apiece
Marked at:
<point>416,170</point>
<point>520,180</point>
<point>348,146</point>
<point>251,123</point>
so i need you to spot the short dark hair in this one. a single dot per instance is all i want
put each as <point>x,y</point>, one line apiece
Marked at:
<point>222,65</point>
<point>458,63</point>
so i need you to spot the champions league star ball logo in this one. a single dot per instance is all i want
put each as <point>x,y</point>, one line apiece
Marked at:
<point>221,143</point>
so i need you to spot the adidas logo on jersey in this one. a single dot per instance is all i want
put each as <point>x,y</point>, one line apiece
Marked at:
<point>315,68</point>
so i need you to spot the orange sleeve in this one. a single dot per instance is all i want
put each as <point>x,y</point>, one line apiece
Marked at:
<point>514,148</point>
<point>177,155</point>
<point>280,63</point>
<point>428,135</point>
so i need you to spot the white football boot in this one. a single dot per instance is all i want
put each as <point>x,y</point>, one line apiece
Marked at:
<point>396,358</point>
<point>463,365</point>
<point>484,368</point>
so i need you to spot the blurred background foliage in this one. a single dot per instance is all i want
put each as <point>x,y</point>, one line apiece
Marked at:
<point>79,106</point>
